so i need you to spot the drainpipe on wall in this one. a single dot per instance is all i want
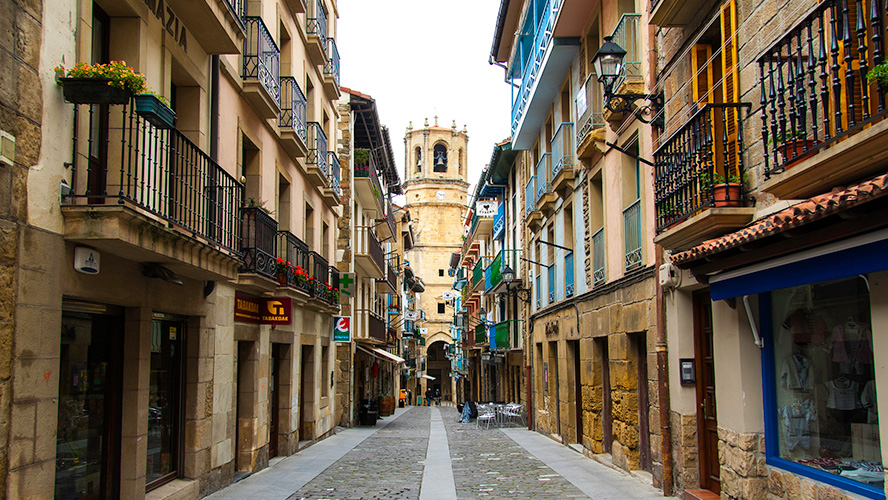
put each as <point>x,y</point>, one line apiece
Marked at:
<point>214,108</point>
<point>662,359</point>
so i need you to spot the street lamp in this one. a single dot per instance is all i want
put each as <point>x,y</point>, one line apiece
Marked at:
<point>509,277</point>
<point>608,63</point>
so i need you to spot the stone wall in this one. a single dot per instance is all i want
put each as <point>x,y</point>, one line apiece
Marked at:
<point>744,473</point>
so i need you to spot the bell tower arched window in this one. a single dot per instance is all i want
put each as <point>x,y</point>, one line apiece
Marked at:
<point>440,160</point>
<point>418,159</point>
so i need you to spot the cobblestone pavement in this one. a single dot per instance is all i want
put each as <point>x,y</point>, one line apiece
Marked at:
<point>386,465</point>
<point>489,465</point>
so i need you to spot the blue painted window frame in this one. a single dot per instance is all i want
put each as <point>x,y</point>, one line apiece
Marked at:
<point>772,435</point>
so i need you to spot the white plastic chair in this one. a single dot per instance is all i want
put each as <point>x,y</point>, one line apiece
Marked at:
<point>487,415</point>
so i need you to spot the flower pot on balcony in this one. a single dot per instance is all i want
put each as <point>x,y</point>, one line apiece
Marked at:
<point>726,195</point>
<point>792,151</point>
<point>93,91</point>
<point>282,278</point>
<point>156,112</point>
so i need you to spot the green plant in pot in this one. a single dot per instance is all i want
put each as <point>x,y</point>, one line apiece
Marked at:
<point>879,75</point>
<point>362,162</point>
<point>791,144</point>
<point>727,191</point>
<point>111,83</point>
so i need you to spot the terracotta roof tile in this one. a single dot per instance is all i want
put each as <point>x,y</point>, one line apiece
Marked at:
<point>805,212</point>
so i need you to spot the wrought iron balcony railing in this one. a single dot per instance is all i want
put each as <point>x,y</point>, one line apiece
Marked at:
<point>632,229</point>
<point>320,273</point>
<point>598,260</point>
<point>368,244</point>
<point>376,327</point>
<point>813,85</point>
<point>335,174</point>
<point>317,24</point>
<point>478,273</point>
<point>293,107</point>
<point>508,334</point>
<point>544,175</point>
<point>261,57</point>
<point>628,36</point>
<point>258,242</point>
<point>696,162</point>
<point>317,147</point>
<point>592,116</point>
<point>562,148</point>
<point>296,252</point>
<point>370,171</point>
<point>530,197</point>
<point>160,171</point>
<point>504,258</point>
<point>481,334</point>
<point>331,68</point>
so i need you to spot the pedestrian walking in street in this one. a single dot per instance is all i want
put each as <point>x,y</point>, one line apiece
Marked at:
<point>428,396</point>
<point>437,396</point>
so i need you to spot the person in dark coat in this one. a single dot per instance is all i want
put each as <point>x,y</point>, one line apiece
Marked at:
<point>428,397</point>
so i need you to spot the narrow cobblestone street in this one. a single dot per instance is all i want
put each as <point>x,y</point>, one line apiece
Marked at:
<point>406,457</point>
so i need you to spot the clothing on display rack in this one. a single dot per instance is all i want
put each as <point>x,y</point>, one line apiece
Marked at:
<point>843,394</point>
<point>795,373</point>
<point>796,421</point>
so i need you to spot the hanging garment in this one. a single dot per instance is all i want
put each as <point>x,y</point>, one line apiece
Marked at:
<point>843,394</point>
<point>796,421</point>
<point>851,351</point>
<point>868,400</point>
<point>795,373</point>
<point>806,326</point>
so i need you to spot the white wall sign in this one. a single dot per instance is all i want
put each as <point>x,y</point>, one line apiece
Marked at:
<point>486,208</point>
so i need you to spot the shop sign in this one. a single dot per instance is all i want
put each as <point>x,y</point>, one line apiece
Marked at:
<point>411,315</point>
<point>347,287</point>
<point>262,310</point>
<point>341,328</point>
<point>486,208</point>
<point>170,22</point>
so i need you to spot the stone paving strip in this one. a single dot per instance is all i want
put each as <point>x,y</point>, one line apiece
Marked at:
<point>437,479</point>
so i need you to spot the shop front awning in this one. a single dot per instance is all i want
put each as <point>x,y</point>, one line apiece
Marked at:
<point>383,355</point>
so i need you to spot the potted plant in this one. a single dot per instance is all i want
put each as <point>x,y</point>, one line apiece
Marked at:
<point>727,194</point>
<point>879,75</point>
<point>791,146</point>
<point>362,163</point>
<point>282,269</point>
<point>155,109</point>
<point>112,83</point>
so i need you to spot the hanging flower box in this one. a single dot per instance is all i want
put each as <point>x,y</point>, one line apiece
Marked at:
<point>93,91</point>
<point>149,107</point>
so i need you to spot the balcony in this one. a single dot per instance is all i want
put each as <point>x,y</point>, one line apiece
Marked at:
<point>296,252</point>
<point>331,71</point>
<point>632,231</point>
<point>627,35</point>
<point>499,222</point>
<point>390,283</point>
<point>477,274</point>
<point>376,328</point>
<point>316,31</point>
<point>368,189</point>
<point>505,258</point>
<point>697,190</point>
<point>261,69</point>
<point>316,161</point>
<point>258,243</point>
<point>153,196</point>
<point>386,227</point>
<point>545,197</point>
<point>540,63</point>
<point>482,219</point>
<point>674,13</point>
<point>822,124</point>
<point>481,337</point>
<point>221,29</point>
<point>563,160</point>
<point>598,258</point>
<point>322,279</point>
<point>508,335</point>
<point>368,254</point>
<point>591,126</point>
<point>534,217</point>
<point>333,190</point>
<point>296,6</point>
<point>292,122</point>
<point>551,278</point>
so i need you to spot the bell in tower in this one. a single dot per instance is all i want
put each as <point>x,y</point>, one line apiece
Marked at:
<point>440,158</point>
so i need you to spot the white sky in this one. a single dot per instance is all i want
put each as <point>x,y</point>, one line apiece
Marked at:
<point>418,58</point>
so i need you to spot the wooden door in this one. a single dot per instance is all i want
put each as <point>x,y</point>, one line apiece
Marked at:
<point>707,420</point>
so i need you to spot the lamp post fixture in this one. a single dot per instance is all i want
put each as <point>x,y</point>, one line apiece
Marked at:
<point>509,276</point>
<point>608,63</point>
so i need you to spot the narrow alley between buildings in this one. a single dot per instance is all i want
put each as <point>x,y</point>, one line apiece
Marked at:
<point>424,453</point>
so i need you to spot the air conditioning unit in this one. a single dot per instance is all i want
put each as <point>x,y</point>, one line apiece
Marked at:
<point>669,277</point>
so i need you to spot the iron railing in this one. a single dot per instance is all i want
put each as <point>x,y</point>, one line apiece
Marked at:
<point>543,175</point>
<point>813,84</point>
<point>331,68</point>
<point>562,148</point>
<point>632,230</point>
<point>261,57</point>
<point>370,171</point>
<point>531,62</point>
<point>295,251</point>
<point>320,273</point>
<point>158,170</point>
<point>530,197</point>
<point>568,275</point>
<point>598,260</point>
<point>258,242</point>
<point>375,327</point>
<point>392,277</point>
<point>695,163</point>
<point>478,273</point>
<point>499,222</point>
<point>368,244</point>
<point>627,35</point>
<point>317,146</point>
<point>293,107</point>
<point>335,174</point>
<point>504,258</point>
<point>481,334</point>
<point>592,116</point>
<point>317,25</point>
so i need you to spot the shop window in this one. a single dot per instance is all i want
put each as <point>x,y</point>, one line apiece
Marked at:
<point>164,402</point>
<point>822,406</point>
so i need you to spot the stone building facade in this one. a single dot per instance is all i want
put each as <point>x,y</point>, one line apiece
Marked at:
<point>435,186</point>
